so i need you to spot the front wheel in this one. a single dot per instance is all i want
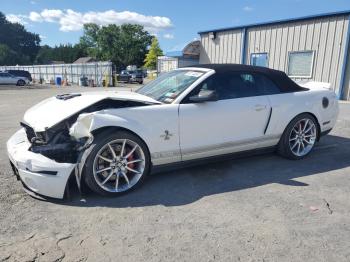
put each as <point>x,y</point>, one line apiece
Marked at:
<point>118,163</point>
<point>299,138</point>
<point>21,83</point>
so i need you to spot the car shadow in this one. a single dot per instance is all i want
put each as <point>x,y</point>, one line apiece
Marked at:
<point>188,185</point>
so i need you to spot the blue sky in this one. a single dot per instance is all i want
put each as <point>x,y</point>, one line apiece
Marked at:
<point>175,22</point>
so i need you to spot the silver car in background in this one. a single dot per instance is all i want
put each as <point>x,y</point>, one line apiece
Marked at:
<point>8,79</point>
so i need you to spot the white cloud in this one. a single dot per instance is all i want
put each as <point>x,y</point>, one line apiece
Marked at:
<point>42,37</point>
<point>33,2</point>
<point>51,15</point>
<point>248,8</point>
<point>168,36</point>
<point>70,20</point>
<point>35,17</point>
<point>16,19</point>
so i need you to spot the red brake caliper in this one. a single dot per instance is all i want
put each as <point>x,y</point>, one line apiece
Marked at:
<point>131,158</point>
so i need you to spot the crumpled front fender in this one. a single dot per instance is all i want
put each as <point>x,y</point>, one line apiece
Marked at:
<point>88,122</point>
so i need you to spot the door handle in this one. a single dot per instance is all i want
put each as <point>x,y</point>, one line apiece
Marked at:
<point>260,107</point>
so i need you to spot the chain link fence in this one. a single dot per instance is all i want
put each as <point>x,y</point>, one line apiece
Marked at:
<point>94,74</point>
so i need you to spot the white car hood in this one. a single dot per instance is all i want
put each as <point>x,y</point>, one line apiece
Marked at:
<point>53,110</point>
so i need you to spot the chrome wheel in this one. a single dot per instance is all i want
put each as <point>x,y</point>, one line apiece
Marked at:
<point>119,165</point>
<point>302,137</point>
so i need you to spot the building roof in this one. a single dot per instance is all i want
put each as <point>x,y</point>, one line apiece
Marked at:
<point>54,62</point>
<point>192,49</point>
<point>303,18</point>
<point>278,77</point>
<point>83,60</point>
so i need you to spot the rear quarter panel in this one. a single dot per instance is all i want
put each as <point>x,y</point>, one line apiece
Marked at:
<point>288,105</point>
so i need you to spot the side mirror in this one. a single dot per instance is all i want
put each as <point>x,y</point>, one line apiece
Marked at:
<point>204,96</point>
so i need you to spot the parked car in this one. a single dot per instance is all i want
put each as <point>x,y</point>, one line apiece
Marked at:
<point>144,73</point>
<point>9,79</point>
<point>124,76</point>
<point>131,76</point>
<point>21,73</point>
<point>113,140</point>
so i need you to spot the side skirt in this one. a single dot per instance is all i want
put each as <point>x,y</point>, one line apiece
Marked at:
<point>202,161</point>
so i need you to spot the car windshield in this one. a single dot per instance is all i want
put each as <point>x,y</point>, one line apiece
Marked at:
<point>167,87</point>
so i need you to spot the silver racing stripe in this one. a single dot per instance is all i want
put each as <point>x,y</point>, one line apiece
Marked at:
<point>229,145</point>
<point>216,147</point>
<point>165,154</point>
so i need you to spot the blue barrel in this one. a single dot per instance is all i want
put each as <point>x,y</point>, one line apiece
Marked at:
<point>58,81</point>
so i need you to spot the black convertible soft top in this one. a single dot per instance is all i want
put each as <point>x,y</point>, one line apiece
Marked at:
<point>278,77</point>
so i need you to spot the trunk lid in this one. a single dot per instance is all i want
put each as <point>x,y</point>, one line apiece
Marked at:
<point>316,85</point>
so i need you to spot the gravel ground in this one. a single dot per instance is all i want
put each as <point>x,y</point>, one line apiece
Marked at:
<point>261,208</point>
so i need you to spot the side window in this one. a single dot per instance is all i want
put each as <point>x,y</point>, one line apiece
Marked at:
<point>259,59</point>
<point>207,84</point>
<point>300,64</point>
<point>232,85</point>
<point>267,86</point>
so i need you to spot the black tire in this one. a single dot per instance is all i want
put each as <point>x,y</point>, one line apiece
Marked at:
<point>21,82</point>
<point>284,147</point>
<point>140,82</point>
<point>100,141</point>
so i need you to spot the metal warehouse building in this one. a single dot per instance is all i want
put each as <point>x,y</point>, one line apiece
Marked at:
<point>313,48</point>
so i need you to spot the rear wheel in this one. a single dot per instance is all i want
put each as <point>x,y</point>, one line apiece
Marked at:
<point>299,138</point>
<point>118,163</point>
<point>21,82</point>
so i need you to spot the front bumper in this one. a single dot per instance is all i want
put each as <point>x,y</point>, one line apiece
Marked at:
<point>136,79</point>
<point>38,173</point>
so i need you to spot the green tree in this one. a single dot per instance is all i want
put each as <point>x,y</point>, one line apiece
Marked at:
<point>123,45</point>
<point>66,53</point>
<point>152,55</point>
<point>8,56</point>
<point>88,41</point>
<point>23,45</point>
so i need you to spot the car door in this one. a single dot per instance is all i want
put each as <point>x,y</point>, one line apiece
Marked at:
<point>235,122</point>
<point>13,79</point>
<point>9,79</point>
<point>2,78</point>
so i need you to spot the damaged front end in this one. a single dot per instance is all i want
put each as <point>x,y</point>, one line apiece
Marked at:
<point>46,160</point>
<point>56,143</point>
<point>59,144</point>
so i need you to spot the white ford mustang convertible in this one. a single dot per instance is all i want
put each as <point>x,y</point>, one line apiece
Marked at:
<point>110,141</point>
